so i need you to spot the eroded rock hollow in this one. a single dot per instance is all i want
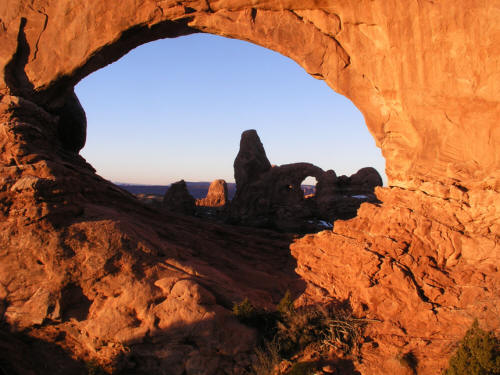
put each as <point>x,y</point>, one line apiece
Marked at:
<point>91,274</point>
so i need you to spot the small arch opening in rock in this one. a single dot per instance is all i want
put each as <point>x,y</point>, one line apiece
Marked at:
<point>308,186</point>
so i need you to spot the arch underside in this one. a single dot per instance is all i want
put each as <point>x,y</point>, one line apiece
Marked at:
<point>424,76</point>
<point>366,51</point>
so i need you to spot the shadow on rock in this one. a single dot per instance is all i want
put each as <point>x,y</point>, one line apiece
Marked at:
<point>21,354</point>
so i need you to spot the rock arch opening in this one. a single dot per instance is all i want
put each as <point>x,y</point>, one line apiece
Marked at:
<point>174,109</point>
<point>426,81</point>
<point>308,186</point>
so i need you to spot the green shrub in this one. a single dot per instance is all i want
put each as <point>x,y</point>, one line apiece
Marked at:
<point>263,321</point>
<point>285,306</point>
<point>244,311</point>
<point>477,354</point>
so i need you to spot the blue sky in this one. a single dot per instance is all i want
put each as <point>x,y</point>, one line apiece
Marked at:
<point>175,109</point>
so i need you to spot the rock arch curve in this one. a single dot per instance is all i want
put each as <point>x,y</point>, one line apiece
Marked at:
<point>423,73</point>
<point>375,53</point>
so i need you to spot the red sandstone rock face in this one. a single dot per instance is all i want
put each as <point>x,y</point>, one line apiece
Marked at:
<point>86,268</point>
<point>216,196</point>
<point>423,73</point>
<point>409,269</point>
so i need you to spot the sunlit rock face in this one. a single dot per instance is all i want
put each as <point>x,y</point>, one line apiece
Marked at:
<point>423,264</point>
<point>217,195</point>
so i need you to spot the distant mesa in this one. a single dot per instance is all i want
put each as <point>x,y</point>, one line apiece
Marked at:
<point>198,190</point>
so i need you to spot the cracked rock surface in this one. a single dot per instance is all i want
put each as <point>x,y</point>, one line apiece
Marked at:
<point>87,272</point>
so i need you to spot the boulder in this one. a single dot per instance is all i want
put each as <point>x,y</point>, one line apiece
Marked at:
<point>177,199</point>
<point>364,181</point>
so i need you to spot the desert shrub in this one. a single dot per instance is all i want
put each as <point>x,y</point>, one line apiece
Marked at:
<point>263,321</point>
<point>285,306</point>
<point>303,368</point>
<point>288,331</point>
<point>93,368</point>
<point>244,311</point>
<point>299,328</point>
<point>477,354</point>
<point>344,331</point>
<point>267,358</point>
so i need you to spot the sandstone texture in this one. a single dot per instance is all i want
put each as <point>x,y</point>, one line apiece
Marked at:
<point>217,195</point>
<point>89,273</point>
<point>272,196</point>
<point>420,281</point>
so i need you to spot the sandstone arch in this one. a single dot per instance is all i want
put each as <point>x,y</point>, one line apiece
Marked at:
<point>425,76</point>
<point>377,54</point>
<point>271,195</point>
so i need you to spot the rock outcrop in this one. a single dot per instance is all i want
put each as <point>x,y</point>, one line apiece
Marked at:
<point>177,199</point>
<point>217,195</point>
<point>366,179</point>
<point>419,283</point>
<point>272,196</point>
<point>423,73</point>
<point>251,161</point>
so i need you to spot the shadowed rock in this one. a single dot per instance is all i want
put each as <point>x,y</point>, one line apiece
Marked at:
<point>177,199</point>
<point>251,161</point>
<point>72,126</point>
<point>273,197</point>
